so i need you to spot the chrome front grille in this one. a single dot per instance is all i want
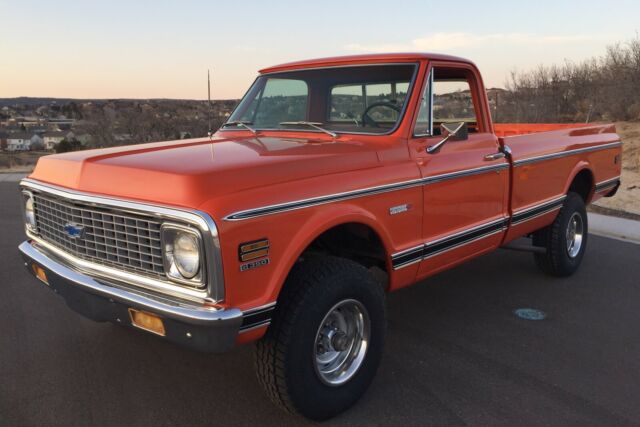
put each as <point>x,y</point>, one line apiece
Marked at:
<point>107,236</point>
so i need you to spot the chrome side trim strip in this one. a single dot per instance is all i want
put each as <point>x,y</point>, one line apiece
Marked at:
<point>447,243</point>
<point>531,212</point>
<point>607,184</point>
<point>315,201</point>
<point>214,291</point>
<point>465,242</point>
<point>257,317</point>
<point>256,326</point>
<point>453,241</point>
<point>337,197</point>
<point>535,159</point>
<point>524,214</point>
<point>467,172</point>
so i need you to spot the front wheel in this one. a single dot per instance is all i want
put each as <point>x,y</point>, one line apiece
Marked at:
<point>325,342</point>
<point>565,240</point>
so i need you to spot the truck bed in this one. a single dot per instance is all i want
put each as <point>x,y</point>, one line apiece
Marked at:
<point>553,154</point>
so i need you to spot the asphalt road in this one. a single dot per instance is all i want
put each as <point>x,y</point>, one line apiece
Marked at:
<point>455,353</point>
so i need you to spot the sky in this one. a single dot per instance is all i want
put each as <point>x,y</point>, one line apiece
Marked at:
<point>162,49</point>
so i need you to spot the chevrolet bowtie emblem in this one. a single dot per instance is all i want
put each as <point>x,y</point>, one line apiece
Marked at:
<point>74,231</point>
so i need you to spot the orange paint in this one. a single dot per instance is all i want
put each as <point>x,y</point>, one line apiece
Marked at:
<point>236,171</point>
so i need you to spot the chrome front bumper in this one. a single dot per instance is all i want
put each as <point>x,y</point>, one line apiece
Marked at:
<point>202,328</point>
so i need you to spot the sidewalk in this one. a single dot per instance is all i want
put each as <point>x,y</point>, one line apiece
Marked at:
<point>617,228</point>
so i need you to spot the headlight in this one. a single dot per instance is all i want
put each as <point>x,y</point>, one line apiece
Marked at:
<point>29,211</point>
<point>182,252</point>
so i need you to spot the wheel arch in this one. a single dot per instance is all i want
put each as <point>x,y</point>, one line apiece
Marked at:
<point>320,224</point>
<point>581,181</point>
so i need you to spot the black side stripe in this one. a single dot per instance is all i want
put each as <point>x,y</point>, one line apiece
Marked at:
<point>531,213</point>
<point>433,248</point>
<point>436,247</point>
<point>256,318</point>
<point>605,185</point>
<point>407,257</point>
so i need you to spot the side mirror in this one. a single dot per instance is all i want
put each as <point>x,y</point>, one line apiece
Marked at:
<point>457,131</point>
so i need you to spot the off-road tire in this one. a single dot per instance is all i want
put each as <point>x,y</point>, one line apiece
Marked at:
<point>285,356</point>
<point>556,261</point>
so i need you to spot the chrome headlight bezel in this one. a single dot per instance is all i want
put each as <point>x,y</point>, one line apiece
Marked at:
<point>168,234</point>
<point>212,288</point>
<point>28,211</point>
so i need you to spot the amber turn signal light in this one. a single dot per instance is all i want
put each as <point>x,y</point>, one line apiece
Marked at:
<point>147,321</point>
<point>252,250</point>
<point>40,273</point>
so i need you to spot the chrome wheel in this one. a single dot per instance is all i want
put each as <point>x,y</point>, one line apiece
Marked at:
<point>341,342</point>
<point>574,235</point>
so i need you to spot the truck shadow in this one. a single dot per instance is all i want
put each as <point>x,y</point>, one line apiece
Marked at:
<point>455,354</point>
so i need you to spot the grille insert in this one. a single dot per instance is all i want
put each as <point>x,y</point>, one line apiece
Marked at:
<point>109,237</point>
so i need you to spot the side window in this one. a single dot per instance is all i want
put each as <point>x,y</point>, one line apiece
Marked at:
<point>447,99</point>
<point>452,101</point>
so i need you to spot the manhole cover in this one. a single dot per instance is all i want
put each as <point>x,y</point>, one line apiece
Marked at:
<point>530,314</point>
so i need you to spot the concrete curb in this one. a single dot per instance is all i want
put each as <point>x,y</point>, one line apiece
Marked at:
<point>617,228</point>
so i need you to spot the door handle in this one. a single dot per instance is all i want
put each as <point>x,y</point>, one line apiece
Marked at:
<point>494,156</point>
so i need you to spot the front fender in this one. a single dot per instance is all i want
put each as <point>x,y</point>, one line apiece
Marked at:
<point>315,225</point>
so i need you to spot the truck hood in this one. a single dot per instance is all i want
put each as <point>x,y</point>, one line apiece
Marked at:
<point>188,173</point>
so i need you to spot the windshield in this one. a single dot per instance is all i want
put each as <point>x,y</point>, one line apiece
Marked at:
<point>359,99</point>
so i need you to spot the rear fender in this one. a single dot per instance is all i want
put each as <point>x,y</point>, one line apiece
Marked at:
<point>579,167</point>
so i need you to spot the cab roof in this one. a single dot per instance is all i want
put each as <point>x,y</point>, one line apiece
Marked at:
<point>361,59</point>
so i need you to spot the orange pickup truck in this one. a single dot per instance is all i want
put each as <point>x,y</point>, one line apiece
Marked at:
<point>333,182</point>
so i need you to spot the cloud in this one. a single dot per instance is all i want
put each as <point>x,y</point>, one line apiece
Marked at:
<point>448,41</point>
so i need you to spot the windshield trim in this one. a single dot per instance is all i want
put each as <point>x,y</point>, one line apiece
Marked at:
<point>401,117</point>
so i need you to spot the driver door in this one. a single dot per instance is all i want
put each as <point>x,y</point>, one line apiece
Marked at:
<point>466,182</point>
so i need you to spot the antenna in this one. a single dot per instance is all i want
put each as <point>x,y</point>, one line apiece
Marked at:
<point>210,133</point>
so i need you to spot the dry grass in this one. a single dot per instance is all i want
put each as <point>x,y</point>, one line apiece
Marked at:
<point>20,162</point>
<point>628,197</point>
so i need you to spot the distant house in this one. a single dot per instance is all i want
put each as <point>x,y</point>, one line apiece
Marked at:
<point>53,138</point>
<point>19,142</point>
<point>64,124</point>
<point>28,122</point>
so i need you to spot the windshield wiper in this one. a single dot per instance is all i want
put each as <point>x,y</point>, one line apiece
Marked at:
<point>243,124</point>
<point>314,125</point>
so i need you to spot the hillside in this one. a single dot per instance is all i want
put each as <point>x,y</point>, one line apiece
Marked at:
<point>628,197</point>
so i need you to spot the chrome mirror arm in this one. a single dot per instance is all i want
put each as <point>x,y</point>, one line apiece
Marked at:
<point>436,147</point>
<point>433,149</point>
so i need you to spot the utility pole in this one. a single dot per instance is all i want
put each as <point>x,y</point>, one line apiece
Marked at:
<point>209,132</point>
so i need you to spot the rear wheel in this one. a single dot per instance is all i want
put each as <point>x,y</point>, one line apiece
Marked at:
<point>325,342</point>
<point>565,240</point>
